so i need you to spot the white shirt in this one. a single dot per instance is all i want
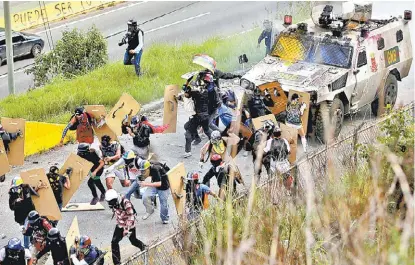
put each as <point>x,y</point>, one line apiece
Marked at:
<point>268,145</point>
<point>76,261</point>
<point>27,254</point>
<point>133,172</point>
<point>140,42</point>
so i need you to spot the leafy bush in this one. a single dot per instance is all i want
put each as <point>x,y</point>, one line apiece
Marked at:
<point>77,53</point>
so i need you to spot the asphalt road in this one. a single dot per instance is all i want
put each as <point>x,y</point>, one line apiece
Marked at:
<point>171,22</point>
<point>224,18</point>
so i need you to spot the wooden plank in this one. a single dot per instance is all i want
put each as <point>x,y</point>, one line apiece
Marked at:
<point>170,108</point>
<point>4,162</point>
<point>290,134</point>
<point>259,121</point>
<point>82,206</point>
<point>16,154</point>
<point>45,204</point>
<point>80,168</point>
<point>73,232</point>
<point>177,187</point>
<point>279,97</point>
<point>237,126</point>
<point>304,97</point>
<point>99,113</point>
<point>126,106</point>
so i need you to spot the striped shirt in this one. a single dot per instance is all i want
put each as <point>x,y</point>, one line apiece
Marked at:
<point>125,218</point>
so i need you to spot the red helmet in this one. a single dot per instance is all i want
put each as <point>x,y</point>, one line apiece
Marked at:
<point>193,175</point>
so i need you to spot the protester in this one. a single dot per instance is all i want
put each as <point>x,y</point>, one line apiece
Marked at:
<point>111,153</point>
<point>159,186</point>
<point>124,212</point>
<point>295,110</point>
<point>56,244</point>
<point>134,51</point>
<point>37,227</point>
<point>266,35</point>
<point>86,253</point>
<point>141,137</point>
<point>58,182</point>
<point>97,169</point>
<point>82,122</point>
<point>15,254</point>
<point>7,138</point>
<point>258,105</point>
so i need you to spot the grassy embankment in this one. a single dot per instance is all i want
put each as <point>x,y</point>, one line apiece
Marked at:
<point>162,64</point>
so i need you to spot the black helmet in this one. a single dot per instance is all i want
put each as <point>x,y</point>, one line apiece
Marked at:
<point>277,131</point>
<point>53,170</point>
<point>132,22</point>
<point>257,92</point>
<point>79,110</point>
<point>83,148</point>
<point>54,234</point>
<point>33,217</point>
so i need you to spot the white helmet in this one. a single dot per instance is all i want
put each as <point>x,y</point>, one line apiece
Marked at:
<point>215,136</point>
<point>110,195</point>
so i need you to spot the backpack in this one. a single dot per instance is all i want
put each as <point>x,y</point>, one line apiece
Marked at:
<point>164,166</point>
<point>75,125</point>
<point>123,206</point>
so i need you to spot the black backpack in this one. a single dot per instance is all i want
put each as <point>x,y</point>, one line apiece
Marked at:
<point>163,166</point>
<point>75,125</point>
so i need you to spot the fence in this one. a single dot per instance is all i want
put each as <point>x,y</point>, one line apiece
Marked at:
<point>341,155</point>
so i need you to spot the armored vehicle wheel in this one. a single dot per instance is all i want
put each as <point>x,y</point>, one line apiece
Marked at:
<point>390,93</point>
<point>2,178</point>
<point>331,113</point>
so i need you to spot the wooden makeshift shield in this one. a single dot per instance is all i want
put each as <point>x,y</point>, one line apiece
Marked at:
<point>4,162</point>
<point>177,188</point>
<point>16,154</point>
<point>304,97</point>
<point>82,206</point>
<point>170,108</point>
<point>126,107</point>
<point>259,121</point>
<point>45,204</point>
<point>73,232</point>
<point>277,95</point>
<point>237,127</point>
<point>80,168</point>
<point>98,113</point>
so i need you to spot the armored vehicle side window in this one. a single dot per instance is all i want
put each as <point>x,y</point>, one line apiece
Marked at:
<point>381,43</point>
<point>399,36</point>
<point>2,42</point>
<point>361,59</point>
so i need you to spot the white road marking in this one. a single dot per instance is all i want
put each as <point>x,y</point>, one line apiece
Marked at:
<point>91,17</point>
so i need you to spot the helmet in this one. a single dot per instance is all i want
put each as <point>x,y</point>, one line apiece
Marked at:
<point>129,157</point>
<point>110,195</point>
<point>294,96</point>
<point>268,126</point>
<point>216,160</point>
<point>143,165</point>
<point>17,181</point>
<point>132,22</point>
<point>53,170</point>
<point>105,140</point>
<point>53,234</point>
<point>83,147</point>
<point>134,121</point>
<point>85,242</point>
<point>14,244</point>
<point>79,110</point>
<point>193,175</point>
<point>215,136</point>
<point>33,216</point>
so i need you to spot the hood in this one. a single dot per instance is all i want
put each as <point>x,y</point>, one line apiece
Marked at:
<point>30,36</point>
<point>303,75</point>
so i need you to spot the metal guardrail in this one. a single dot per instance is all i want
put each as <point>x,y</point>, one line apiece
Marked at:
<point>172,250</point>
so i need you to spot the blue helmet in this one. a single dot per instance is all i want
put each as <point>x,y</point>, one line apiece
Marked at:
<point>14,244</point>
<point>134,121</point>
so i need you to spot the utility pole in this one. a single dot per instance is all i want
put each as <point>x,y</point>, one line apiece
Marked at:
<point>9,46</point>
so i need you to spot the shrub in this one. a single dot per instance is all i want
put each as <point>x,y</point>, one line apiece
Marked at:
<point>77,53</point>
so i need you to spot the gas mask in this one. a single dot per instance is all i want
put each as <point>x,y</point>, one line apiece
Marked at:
<point>113,203</point>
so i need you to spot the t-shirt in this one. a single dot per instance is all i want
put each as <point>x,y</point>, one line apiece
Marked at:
<point>27,254</point>
<point>157,174</point>
<point>57,183</point>
<point>94,158</point>
<point>201,191</point>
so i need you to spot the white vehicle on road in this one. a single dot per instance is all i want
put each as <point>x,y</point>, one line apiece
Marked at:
<point>345,62</point>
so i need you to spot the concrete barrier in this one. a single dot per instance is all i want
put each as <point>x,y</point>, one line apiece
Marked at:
<point>41,136</point>
<point>52,11</point>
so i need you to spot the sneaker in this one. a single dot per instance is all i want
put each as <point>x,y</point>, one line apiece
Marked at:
<point>197,141</point>
<point>147,215</point>
<point>102,198</point>
<point>94,201</point>
<point>187,154</point>
<point>165,222</point>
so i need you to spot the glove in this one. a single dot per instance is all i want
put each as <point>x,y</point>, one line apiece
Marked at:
<point>120,44</point>
<point>19,133</point>
<point>69,171</point>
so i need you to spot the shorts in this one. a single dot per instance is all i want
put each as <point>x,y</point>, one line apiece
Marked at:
<point>295,126</point>
<point>119,173</point>
<point>142,152</point>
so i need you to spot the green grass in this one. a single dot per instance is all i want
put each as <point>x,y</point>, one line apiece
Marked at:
<point>162,64</point>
